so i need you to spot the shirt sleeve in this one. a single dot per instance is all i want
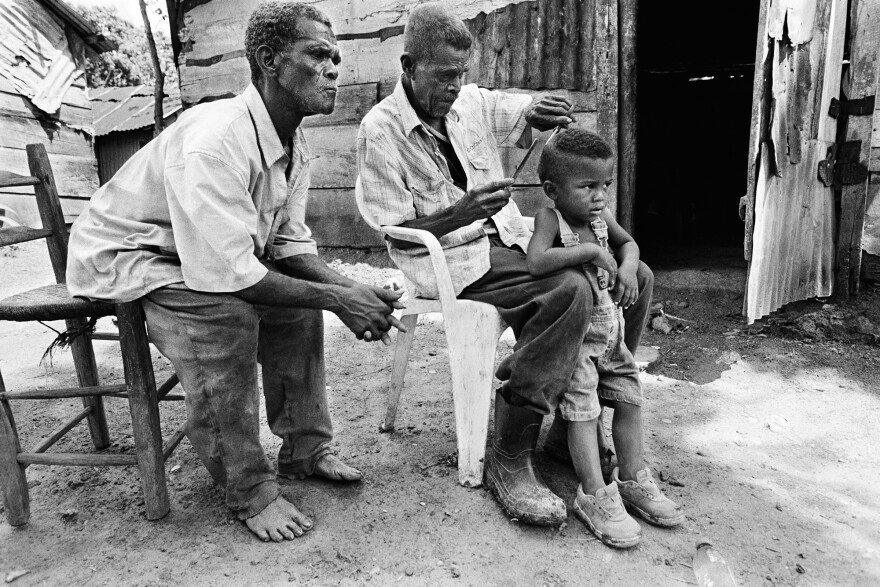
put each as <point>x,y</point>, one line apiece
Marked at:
<point>214,222</point>
<point>505,114</point>
<point>386,199</point>
<point>293,236</point>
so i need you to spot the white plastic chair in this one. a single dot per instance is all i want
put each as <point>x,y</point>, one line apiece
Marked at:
<point>472,332</point>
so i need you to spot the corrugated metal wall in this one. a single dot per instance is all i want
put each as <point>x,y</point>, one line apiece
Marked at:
<point>535,45</point>
<point>114,149</point>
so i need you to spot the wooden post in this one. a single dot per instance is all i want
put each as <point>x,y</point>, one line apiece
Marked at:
<point>50,208</point>
<point>626,157</point>
<point>12,477</point>
<point>87,372</point>
<point>861,82</point>
<point>144,403</point>
<point>607,72</point>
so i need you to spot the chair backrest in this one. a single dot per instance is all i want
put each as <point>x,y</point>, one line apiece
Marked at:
<point>54,229</point>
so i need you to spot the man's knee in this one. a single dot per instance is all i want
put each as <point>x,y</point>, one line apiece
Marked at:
<point>572,287</point>
<point>645,277</point>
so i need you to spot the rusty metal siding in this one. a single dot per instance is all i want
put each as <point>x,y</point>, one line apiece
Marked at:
<point>546,44</point>
<point>114,149</point>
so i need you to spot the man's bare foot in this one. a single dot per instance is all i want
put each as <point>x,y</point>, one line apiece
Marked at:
<point>332,468</point>
<point>279,521</point>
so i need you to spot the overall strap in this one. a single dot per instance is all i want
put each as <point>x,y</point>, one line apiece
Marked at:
<point>568,237</point>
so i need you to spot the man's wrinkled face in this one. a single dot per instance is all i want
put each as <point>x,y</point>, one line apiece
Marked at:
<point>436,82</point>
<point>307,69</point>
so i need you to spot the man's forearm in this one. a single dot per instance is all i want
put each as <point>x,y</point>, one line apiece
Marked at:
<point>438,224</point>
<point>311,268</point>
<point>276,289</point>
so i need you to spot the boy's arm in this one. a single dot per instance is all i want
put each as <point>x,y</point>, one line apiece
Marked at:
<point>544,258</point>
<point>626,251</point>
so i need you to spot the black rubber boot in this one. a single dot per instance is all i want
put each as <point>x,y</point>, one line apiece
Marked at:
<point>510,473</point>
<point>556,447</point>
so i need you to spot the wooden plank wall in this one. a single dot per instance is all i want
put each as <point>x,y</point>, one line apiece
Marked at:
<point>66,135</point>
<point>520,46</point>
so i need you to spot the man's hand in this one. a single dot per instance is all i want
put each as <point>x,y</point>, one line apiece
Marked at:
<point>484,200</point>
<point>366,311</point>
<point>626,290</point>
<point>550,112</point>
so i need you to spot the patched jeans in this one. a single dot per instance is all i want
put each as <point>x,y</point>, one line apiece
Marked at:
<point>606,369</point>
<point>214,342</point>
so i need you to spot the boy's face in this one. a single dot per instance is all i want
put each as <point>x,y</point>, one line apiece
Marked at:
<point>582,193</point>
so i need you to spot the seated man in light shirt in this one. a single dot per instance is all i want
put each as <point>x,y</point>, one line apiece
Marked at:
<point>206,225</point>
<point>428,158</point>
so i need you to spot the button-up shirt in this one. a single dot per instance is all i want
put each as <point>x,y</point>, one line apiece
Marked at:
<point>206,203</point>
<point>404,176</point>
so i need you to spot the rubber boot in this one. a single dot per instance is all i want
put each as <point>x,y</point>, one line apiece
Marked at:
<point>510,473</point>
<point>556,446</point>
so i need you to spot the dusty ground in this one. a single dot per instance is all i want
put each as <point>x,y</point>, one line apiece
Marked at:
<point>770,443</point>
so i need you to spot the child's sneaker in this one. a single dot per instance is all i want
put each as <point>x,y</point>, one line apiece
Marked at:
<point>606,517</point>
<point>645,499</point>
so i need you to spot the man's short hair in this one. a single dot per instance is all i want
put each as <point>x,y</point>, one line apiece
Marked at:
<point>431,26</point>
<point>570,143</point>
<point>277,25</point>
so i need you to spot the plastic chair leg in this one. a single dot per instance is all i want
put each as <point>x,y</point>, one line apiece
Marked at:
<point>87,373</point>
<point>472,331</point>
<point>12,477</point>
<point>144,403</point>
<point>398,369</point>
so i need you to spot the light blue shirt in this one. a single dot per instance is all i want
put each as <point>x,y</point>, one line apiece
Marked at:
<point>205,203</point>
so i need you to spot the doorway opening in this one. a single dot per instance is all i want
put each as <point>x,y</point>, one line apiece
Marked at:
<point>695,75</point>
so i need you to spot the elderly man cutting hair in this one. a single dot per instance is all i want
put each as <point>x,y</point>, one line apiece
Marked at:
<point>428,158</point>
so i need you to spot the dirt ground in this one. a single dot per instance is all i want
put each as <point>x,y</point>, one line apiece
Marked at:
<point>768,438</point>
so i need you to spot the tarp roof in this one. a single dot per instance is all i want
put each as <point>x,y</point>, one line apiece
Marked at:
<point>127,108</point>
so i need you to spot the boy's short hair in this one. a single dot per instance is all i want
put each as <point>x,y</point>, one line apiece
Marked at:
<point>430,27</point>
<point>276,25</point>
<point>570,143</point>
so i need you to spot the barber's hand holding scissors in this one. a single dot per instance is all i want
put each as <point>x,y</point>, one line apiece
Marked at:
<point>549,112</point>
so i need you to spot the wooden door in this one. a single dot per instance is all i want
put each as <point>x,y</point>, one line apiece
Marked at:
<point>789,212</point>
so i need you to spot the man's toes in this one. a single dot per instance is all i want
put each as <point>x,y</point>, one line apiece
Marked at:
<point>276,535</point>
<point>288,533</point>
<point>294,529</point>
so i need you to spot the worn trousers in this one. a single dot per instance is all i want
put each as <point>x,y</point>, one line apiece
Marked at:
<point>214,342</point>
<point>549,316</point>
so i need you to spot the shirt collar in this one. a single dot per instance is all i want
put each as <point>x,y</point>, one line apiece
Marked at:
<point>267,137</point>
<point>408,116</point>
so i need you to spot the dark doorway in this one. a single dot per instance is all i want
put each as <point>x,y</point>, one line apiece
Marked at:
<point>695,75</point>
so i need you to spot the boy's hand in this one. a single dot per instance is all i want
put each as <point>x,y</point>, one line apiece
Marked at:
<point>626,290</point>
<point>606,261</point>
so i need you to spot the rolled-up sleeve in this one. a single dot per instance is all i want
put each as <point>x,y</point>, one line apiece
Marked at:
<point>505,114</point>
<point>386,198</point>
<point>293,236</point>
<point>215,224</point>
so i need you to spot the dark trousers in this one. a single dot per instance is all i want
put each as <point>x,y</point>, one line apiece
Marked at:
<point>549,316</point>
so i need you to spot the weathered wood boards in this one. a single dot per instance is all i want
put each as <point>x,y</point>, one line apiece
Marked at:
<point>65,128</point>
<point>792,250</point>
<point>860,82</point>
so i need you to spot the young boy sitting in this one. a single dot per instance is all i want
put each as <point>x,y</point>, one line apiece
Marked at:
<point>576,169</point>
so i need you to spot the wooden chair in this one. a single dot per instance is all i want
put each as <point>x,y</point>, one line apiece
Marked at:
<point>53,302</point>
<point>472,332</point>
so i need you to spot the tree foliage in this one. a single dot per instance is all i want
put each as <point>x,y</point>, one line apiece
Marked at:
<point>130,64</point>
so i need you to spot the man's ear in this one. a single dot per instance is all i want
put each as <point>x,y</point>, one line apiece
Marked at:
<point>407,64</point>
<point>550,189</point>
<point>266,60</point>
